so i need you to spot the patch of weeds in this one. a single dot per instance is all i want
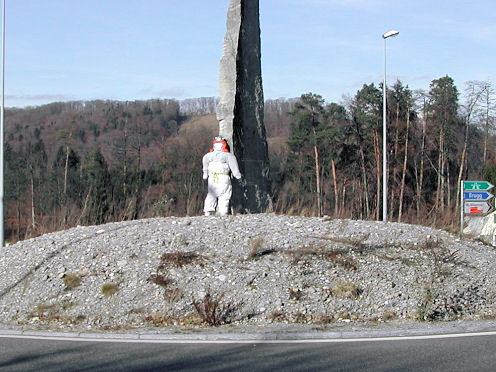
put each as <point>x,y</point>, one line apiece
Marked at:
<point>258,250</point>
<point>71,280</point>
<point>109,289</point>
<point>118,327</point>
<point>277,316</point>
<point>46,312</point>
<point>66,304</point>
<point>212,311</point>
<point>487,316</point>
<point>300,318</point>
<point>179,259</point>
<point>54,313</point>
<point>450,229</point>
<point>346,289</point>
<point>251,284</point>
<point>323,319</point>
<point>403,260</point>
<point>356,243</point>
<point>344,316</point>
<point>336,256</point>
<point>389,315</point>
<point>173,295</point>
<point>300,253</point>
<point>452,306</point>
<point>429,244</point>
<point>423,308</point>
<point>137,310</point>
<point>165,320</point>
<point>340,258</point>
<point>160,280</point>
<point>295,294</point>
<point>483,241</point>
<point>408,261</point>
<point>444,261</point>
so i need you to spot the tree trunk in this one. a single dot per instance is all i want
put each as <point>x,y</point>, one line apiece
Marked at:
<point>335,182</point>
<point>403,174</point>
<point>124,170</point>
<point>365,186</point>
<point>439,205</point>
<point>33,214</point>
<point>343,200</point>
<point>378,177</point>
<point>317,175</point>
<point>393,161</point>
<point>85,206</point>
<point>66,170</point>
<point>420,180</point>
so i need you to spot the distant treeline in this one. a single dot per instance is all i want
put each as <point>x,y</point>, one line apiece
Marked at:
<point>99,161</point>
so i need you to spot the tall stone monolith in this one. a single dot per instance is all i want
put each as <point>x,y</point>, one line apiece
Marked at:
<point>241,107</point>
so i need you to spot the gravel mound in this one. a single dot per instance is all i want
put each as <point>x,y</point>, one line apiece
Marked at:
<point>251,270</point>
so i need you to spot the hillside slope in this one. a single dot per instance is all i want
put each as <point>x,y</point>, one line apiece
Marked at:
<point>258,269</point>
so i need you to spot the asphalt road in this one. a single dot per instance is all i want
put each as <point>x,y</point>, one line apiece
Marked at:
<point>475,353</point>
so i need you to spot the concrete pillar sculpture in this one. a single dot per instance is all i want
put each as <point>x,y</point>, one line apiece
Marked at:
<point>241,107</point>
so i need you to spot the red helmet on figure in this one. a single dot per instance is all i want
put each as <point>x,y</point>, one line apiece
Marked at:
<point>220,141</point>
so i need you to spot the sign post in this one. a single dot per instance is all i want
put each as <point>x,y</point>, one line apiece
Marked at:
<point>475,200</point>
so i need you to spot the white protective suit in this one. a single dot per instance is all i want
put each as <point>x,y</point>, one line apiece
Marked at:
<point>218,165</point>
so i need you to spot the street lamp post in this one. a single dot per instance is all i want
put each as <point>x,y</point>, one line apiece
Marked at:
<point>2,114</point>
<point>390,33</point>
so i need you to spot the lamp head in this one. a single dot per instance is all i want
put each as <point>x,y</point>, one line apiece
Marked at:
<point>390,33</point>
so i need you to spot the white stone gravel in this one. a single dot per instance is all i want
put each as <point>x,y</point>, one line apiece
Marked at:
<point>264,268</point>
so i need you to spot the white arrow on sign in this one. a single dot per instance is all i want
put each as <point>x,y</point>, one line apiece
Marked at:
<point>477,208</point>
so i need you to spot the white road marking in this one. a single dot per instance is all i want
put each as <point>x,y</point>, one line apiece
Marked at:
<point>245,341</point>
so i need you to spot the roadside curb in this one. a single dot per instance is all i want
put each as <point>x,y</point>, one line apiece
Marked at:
<point>284,334</point>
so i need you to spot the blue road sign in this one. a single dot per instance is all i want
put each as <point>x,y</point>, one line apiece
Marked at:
<point>477,195</point>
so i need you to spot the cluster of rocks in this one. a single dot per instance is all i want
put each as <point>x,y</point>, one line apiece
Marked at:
<point>245,270</point>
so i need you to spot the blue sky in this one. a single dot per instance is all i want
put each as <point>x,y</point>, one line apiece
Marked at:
<point>63,50</point>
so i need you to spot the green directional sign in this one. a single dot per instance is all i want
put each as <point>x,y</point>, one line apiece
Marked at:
<point>477,185</point>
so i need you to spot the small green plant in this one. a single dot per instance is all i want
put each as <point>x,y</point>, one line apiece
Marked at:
<point>389,315</point>
<point>346,289</point>
<point>165,320</point>
<point>72,281</point>
<point>109,289</point>
<point>46,312</point>
<point>212,311</point>
<point>66,304</point>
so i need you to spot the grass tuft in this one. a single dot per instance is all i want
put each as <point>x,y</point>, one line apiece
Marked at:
<point>109,289</point>
<point>212,311</point>
<point>72,281</point>
<point>346,289</point>
<point>295,294</point>
<point>179,259</point>
<point>160,280</point>
<point>337,256</point>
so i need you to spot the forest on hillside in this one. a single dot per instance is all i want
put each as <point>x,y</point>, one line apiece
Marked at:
<point>76,163</point>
